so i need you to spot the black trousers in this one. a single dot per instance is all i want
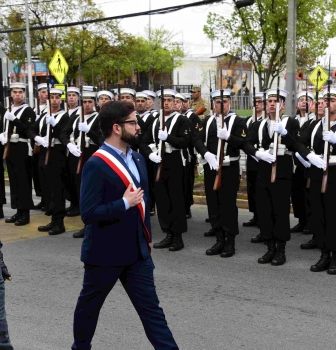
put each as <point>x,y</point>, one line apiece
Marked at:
<point>222,204</point>
<point>273,208</point>
<point>2,179</point>
<point>300,195</point>
<point>151,182</point>
<point>323,214</point>
<point>251,179</point>
<point>36,176</point>
<point>169,194</point>
<point>189,180</point>
<point>52,179</point>
<point>19,167</point>
<point>138,282</point>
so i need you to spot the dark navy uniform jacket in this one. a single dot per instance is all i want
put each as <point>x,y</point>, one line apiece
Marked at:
<point>114,236</point>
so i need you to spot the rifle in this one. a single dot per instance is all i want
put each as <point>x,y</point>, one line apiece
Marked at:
<point>49,130</point>
<point>9,124</point>
<point>306,114</point>
<point>326,127</point>
<point>81,137</point>
<point>264,103</point>
<point>220,150</point>
<point>254,113</point>
<point>161,143</point>
<point>66,98</point>
<point>37,108</point>
<point>276,136</point>
<point>200,110</point>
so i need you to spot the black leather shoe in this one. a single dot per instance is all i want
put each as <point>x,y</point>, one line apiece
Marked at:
<point>279,257</point>
<point>79,234</point>
<point>47,227</point>
<point>219,246</point>
<point>299,227</point>
<point>189,216</point>
<point>1,213</point>
<point>322,264</point>
<point>269,255</point>
<point>210,233</point>
<point>332,268</point>
<point>38,206</point>
<point>24,219</point>
<point>250,223</point>
<point>311,244</point>
<point>165,243</point>
<point>177,243</point>
<point>13,218</point>
<point>257,239</point>
<point>73,212</point>
<point>228,250</point>
<point>57,229</point>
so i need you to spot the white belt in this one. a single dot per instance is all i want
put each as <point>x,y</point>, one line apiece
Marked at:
<point>15,140</point>
<point>55,142</point>
<point>169,148</point>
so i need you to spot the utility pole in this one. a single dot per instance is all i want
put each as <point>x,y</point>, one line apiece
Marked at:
<point>29,60</point>
<point>291,59</point>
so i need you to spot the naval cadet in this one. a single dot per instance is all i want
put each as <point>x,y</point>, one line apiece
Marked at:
<point>18,161</point>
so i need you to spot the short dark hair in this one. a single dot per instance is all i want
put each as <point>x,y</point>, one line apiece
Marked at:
<point>113,112</point>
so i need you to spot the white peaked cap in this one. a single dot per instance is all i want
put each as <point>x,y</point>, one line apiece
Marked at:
<point>18,85</point>
<point>141,95</point>
<point>88,94</point>
<point>167,92</point>
<point>73,89</point>
<point>303,93</point>
<point>217,93</point>
<point>273,93</point>
<point>127,91</point>
<point>150,93</point>
<point>105,92</point>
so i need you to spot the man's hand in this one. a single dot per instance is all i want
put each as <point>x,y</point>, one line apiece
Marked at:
<point>223,134</point>
<point>50,120</point>
<point>10,116</point>
<point>133,197</point>
<point>212,161</point>
<point>329,136</point>
<point>280,129</point>
<point>316,160</point>
<point>155,158</point>
<point>4,271</point>
<point>163,135</point>
<point>83,127</point>
<point>42,141</point>
<point>73,149</point>
<point>265,156</point>
<point>3,138</point>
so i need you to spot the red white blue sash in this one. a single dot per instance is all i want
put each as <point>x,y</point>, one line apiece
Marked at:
<point>126,178</point>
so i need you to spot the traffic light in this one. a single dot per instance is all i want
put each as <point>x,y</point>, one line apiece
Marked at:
<point>243,3</point>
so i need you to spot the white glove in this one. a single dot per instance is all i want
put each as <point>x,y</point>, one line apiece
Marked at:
<point>280,129</point>
<point>163,135</point>
<point>329,136</point>
<point>316,160</point>
<point>42,141</point>
<point>212,161</point>
<point>50,120</point>
<point>3,138</point>
<point>302,160</point>
<point>223,134</point>
<point>73,149</point>
<point>155,158</point>
<point>83,127</point>
<point>265,156</point>
<point>10,116</point>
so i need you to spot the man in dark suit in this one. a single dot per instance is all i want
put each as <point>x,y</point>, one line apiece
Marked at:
<point>114,208</point>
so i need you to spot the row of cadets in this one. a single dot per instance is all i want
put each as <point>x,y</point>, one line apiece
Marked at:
<point>320,105</point>
<point>222,207</point>
<point>144,102</point>
<point>19,163</point>
<point>194,122</point>
<point>169,193</point>
<point>311,146</point>
<point>299,192</point>
<point>252,167</point>
<point>71,138</point>
<point>273,198</point>
<point>52,175</point>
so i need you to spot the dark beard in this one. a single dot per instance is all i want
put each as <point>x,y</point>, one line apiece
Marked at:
<point>132,140</point>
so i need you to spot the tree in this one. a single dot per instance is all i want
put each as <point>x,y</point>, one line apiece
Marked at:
<point>262,31</point>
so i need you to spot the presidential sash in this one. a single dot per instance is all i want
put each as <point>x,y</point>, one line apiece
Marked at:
<point>126,178</point>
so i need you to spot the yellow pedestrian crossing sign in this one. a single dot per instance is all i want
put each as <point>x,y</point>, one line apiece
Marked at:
<point>58,66</point>
<point>318,77</point>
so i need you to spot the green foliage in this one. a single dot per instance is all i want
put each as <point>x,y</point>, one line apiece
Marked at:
<point>262,28</point>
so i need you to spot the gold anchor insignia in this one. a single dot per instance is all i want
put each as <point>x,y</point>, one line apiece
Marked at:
<point>196,126</point>
<point>29,120</point>
<point>186,132</point>
<point>298,134</point>
<point>243,133</point>
<point>200,129</point>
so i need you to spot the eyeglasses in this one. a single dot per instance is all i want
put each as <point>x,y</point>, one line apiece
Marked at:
<point>134,122</point>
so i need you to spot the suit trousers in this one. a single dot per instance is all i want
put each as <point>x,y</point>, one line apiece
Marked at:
<point>273,208</point>
<point>138,282</point>
<point>222,204</point>
<point>323,214</point>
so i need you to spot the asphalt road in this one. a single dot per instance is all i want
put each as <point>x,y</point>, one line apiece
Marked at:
<point>209,302</point>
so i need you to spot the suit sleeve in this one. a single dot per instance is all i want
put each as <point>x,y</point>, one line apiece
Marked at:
<point>95,133</point>
<point>293,128</point>
<point>237,137</point>
<point>183,135</point>
<point>251,139</point>
<point>92,192</point>
<point>200,138</point>
<point>24,123</point>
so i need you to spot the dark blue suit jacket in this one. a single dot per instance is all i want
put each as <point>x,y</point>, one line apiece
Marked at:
<point>114,236</point>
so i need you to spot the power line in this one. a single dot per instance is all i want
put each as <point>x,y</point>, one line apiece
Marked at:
<point>29,3</point>
<point>160,11</point>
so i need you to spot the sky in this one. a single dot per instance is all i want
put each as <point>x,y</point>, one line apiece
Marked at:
<point>187,24</point>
